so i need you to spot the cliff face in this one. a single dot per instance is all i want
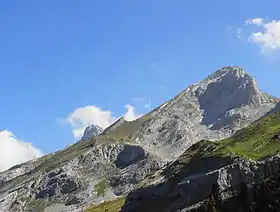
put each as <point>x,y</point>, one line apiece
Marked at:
<point>189,193</point>
<point>130,155</point>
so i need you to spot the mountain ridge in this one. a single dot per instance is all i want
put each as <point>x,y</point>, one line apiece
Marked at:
<point>111,164</point>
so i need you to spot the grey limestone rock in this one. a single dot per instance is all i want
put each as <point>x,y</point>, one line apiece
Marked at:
<point>197,186</point>
<point>90,131</point>
<point>212,109</point>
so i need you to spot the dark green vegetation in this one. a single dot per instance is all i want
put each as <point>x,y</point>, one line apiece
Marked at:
<point>110,206</point>
<point>257,141</point>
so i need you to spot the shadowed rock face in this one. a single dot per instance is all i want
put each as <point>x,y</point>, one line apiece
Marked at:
<point>183,190</point>
<point>129,155</point>
<point>56,183</point>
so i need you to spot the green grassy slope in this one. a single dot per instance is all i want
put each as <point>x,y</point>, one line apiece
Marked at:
<point>110,206</point>
<point>258,140</point>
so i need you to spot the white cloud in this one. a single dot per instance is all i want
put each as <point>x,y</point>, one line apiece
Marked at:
<point>91,114</point>
<point>256,21</point>
<point>131,114</point>
<point>85,116</point>
<point>14,151</point>
<point>269,36</point>
<point>265,33</point>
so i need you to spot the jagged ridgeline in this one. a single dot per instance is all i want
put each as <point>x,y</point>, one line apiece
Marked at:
<point>221,131</point>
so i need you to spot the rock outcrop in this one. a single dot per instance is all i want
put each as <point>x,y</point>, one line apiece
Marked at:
<point>91,131</point>
<point>181,193</point>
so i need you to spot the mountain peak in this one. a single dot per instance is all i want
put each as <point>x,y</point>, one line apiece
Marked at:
<point>230,82</point>
<point>211,109</point>
<point>237,70</point>
<point>90,131</point>
<point>233,73</point>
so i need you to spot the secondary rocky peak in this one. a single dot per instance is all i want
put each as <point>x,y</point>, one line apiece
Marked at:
<point>90,131</point>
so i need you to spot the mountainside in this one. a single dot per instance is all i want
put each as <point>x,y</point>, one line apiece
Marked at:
<point>130,155</point>
<point>226,165</point>
<point>212,109</point>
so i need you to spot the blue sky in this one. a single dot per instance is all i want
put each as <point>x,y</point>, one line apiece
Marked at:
<point>57,56</point>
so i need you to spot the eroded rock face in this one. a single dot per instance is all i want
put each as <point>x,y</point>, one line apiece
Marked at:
<point>18,170</point>
<point>56,184</point>
<point>129,177</point>
<point>113,168</point>
<point>181,194</point>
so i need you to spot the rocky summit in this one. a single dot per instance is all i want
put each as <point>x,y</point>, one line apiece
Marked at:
<point>90,131</point>
<point>147,157</point>
<point>212,109</point>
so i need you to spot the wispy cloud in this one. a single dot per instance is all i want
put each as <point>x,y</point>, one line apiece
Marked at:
<point>148,105</point>
<point>255,21</point>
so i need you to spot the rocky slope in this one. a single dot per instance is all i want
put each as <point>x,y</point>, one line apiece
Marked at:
<point>126,154</point>
<point>211,109</point>
<point>187,182</point>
